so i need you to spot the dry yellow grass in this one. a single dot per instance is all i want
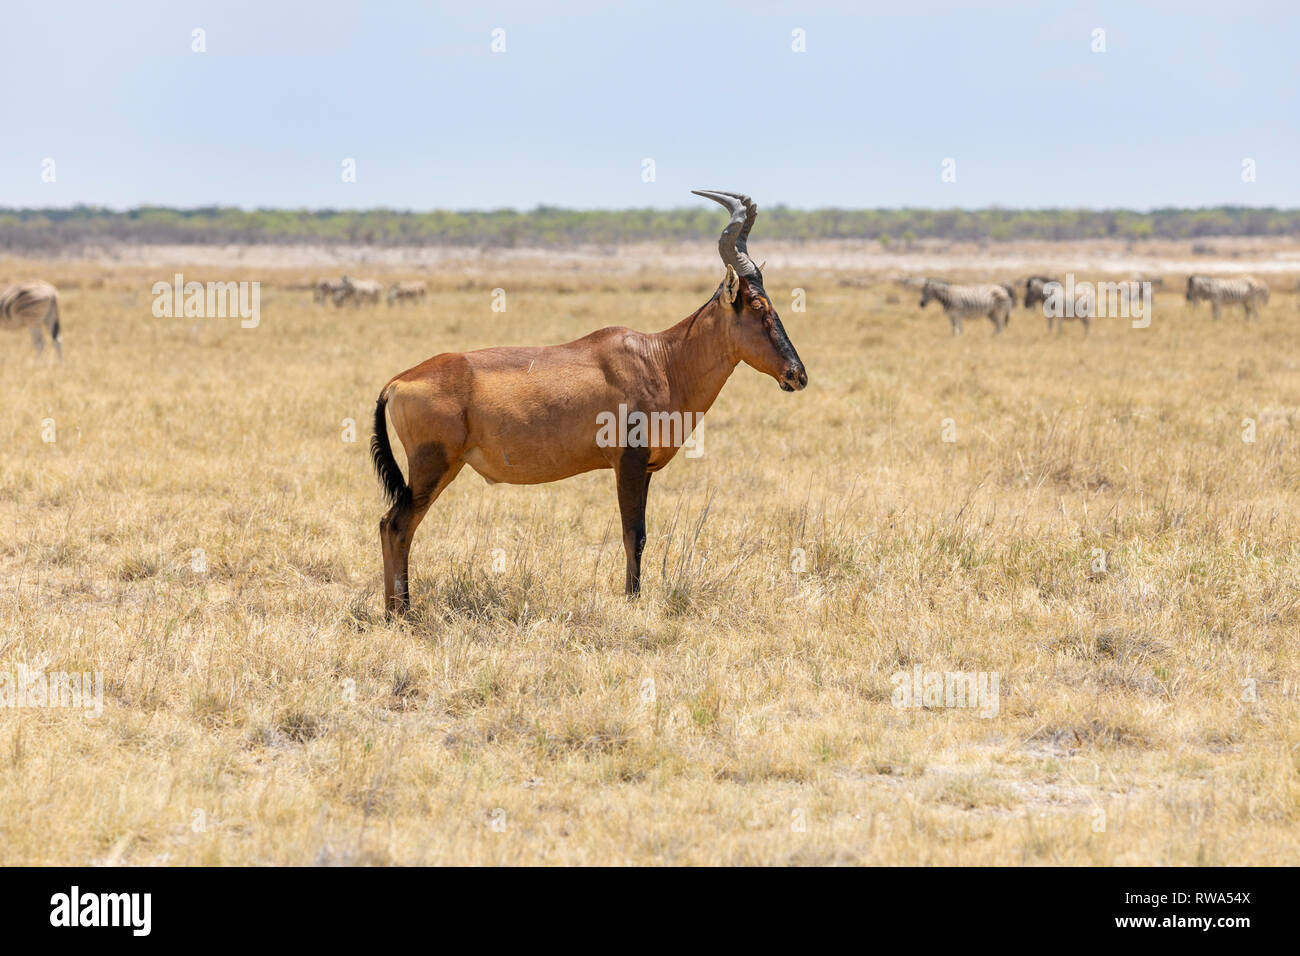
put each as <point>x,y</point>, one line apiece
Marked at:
<point>260,711</point>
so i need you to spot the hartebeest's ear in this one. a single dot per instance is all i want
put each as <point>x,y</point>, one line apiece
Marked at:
<point>730,286</point>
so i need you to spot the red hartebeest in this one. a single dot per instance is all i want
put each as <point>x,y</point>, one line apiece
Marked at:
<point>530,415</point>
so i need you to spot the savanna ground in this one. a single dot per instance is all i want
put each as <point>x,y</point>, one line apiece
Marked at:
<point>201,532</point>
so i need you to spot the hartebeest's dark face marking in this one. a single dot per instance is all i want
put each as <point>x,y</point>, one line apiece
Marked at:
<point>757,336</point>
<point>762,340</point>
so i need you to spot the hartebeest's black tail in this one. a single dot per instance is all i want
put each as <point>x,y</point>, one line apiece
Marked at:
<point>395,488</point>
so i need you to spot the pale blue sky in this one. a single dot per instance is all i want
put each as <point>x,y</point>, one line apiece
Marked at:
<point>711,91</point>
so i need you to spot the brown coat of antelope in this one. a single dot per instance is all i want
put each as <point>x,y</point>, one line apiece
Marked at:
<point>530,415</point>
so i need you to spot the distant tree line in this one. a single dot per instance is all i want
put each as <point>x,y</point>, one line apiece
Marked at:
<point>45,229</point>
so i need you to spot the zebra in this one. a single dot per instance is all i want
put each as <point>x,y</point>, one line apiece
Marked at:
<point>1248,292</point>
<point>326,290</point>
<point>1084,306</point>
<point>407,292</point>
<point>33,304</point>
<point>1011,291</point>
<point>357,291</point>
<point>959,301</point>
<point>1036,290</point>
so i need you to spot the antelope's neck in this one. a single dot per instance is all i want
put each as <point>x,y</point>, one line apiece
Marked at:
<point>698,357</point>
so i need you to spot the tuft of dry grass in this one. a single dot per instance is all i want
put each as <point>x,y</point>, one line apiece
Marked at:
<point>201,533</point>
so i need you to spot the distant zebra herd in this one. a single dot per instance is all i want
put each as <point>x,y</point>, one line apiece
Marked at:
<point>35,304</point>
<point>995,301</point>
<point>366,292</point>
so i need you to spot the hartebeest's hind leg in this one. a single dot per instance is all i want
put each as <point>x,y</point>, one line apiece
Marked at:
<point>633,477</point>
<point>431,472</point>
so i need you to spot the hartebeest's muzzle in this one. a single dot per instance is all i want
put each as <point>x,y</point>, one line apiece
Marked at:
<point>795,378</point>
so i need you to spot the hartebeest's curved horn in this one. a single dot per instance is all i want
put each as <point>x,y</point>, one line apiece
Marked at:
<point>733,243</point>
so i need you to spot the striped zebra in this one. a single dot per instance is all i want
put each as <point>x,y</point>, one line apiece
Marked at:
<point>33,304</point>
<point>1248,292</point>
<point>413,291</point>
<point>1035,290</point>
<point>1011,291</point>
<point>326,290</point>
<point>1083,308</point>
<point>959,301</point>
<point>358,291</point>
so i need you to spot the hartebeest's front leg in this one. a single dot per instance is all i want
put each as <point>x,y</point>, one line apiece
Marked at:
<point>633,476</point>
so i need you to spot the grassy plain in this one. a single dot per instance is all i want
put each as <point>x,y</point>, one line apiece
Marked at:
<point>201,533</point>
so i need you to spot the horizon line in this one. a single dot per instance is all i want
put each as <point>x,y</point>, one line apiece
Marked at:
<point>548,207</point>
